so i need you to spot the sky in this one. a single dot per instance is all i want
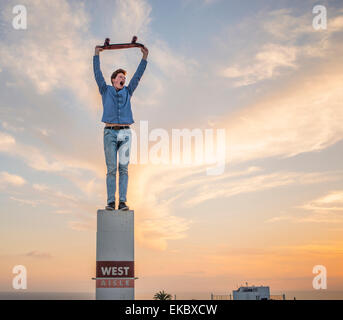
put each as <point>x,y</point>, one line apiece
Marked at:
<point>256,70</point>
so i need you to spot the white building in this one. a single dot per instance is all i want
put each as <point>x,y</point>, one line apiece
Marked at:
<point>252,293</point>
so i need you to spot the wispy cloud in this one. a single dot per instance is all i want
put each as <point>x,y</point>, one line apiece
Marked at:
<point>8,126</point>
<point>325,209</point>
<point>132,17</point>
<point>41,160</point>
<point>25,202</point>
<point>48,192</point>
<point>231,187</point>
<point>286,39</point>
<point>332,202</point>
<point>52,46</point>
<point>38,255</point>
<point>44,132</point>
<point>291,120</point>
<point>172,65</point>
<point>82,225</point>
<point>203,3</point>
<point>336,23</point>
<point>156,224</point>
<point>63,211</point>
<point>11,179</point>
<point>6,141</point>
<point>266,64</point>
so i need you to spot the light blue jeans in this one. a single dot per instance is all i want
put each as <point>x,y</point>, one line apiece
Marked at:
<point>117,141</point>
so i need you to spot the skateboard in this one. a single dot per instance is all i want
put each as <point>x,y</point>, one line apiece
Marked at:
<point>112,46</point>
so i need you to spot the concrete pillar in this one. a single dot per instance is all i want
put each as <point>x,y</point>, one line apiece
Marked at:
<point>115,255</point>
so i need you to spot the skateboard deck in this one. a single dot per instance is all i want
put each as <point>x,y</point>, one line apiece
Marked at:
<point>113,46</point>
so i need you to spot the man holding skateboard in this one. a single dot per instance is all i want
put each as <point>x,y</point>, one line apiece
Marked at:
<point>117,116</point>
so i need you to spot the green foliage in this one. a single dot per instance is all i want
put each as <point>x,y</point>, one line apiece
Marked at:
<point>161,295</point>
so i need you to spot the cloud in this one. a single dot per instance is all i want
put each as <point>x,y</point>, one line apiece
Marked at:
<point>335,24</point>
<point>62,202</point>
<point>228,187</point>
<point>132,17</point>
<point>175,181</point>
<point>63,211</point>
<point>266,64</point>
<point>172,66</point>
<point>44,132</point>
<point>25,202</point>
<point>154,232</point>
<point>48,192</point>
<point>50,48</point>
<point>49,67</point>
<point>325,209</point>
<point>284,24</point>
<point>331,202</point>
<point>165,64</point>
<point>6,141</point>
<point>203,3</point>
<point>43,160</point>
<point>82,225</point>
<point>11,179</point>
<point>304,115</point>
<point>9,127</point>
<point>43,195</point>
<point>280,218</point>
<point>282,40</point>
<point>155,223</point>
<point>327,248</point>
<point>38,255</point>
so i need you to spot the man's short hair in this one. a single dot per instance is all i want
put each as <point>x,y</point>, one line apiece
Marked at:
<point>115,73</point>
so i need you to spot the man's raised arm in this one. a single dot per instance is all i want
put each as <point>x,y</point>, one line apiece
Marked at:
<point>97,72</point>
<point>139,72</point>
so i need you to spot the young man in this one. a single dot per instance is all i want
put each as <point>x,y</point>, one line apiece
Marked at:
<point>117,116</point>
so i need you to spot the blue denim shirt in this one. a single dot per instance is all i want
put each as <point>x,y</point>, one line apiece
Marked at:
<point>116,104</point>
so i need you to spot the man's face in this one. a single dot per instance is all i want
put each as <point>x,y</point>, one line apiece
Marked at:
<point>119,81</point>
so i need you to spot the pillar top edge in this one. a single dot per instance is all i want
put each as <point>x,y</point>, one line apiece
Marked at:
<point>115,211</point>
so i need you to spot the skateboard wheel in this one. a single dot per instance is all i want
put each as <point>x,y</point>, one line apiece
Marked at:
<point>107,42</point>
<point>134,39</point>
